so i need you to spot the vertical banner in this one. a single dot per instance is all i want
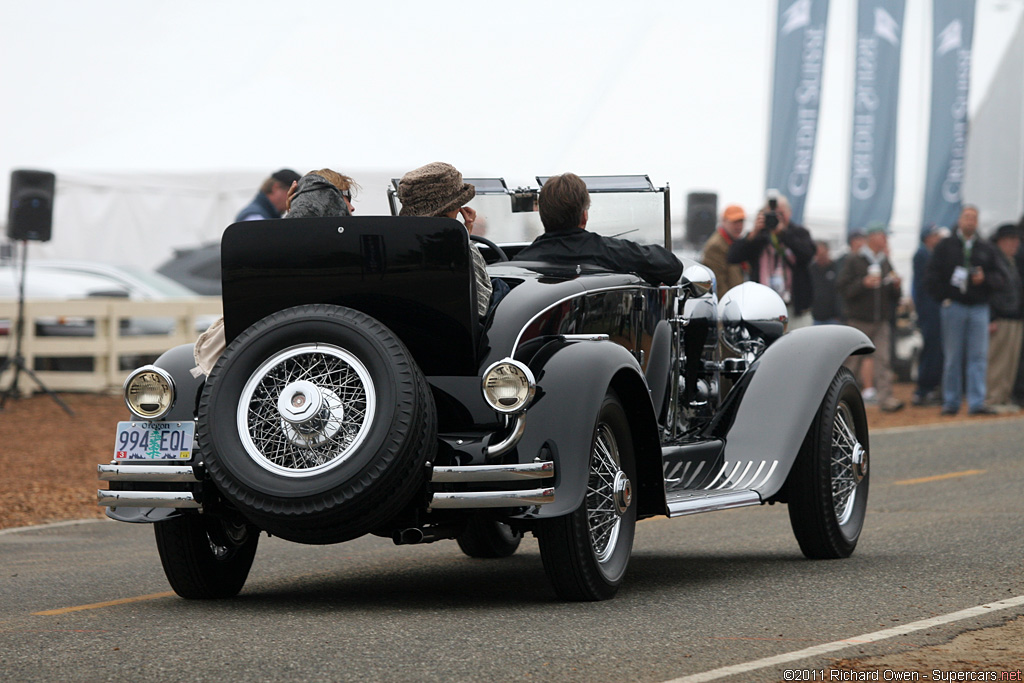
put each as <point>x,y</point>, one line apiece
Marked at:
<point>796,96</point>
<point>953,29</point>
<point>875,99</point>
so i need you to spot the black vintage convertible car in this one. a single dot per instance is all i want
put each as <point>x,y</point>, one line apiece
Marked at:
<point>360,393</point>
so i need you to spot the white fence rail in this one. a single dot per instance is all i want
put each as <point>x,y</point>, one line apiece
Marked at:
<point>104,342</point>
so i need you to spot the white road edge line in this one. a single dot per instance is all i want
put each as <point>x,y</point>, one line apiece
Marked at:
<point>825,648</point>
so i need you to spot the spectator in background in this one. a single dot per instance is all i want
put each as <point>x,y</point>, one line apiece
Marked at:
<point>825,306</point>
<point>1007,328</point>
<point>272,198</point>
<point>962,274</point>
<point>716,249</point>
<point>779,258</point>
<point>871,289</point>
<point>929,366</point>
<point>1018,385</point>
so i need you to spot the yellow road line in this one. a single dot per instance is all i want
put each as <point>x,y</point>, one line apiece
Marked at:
<point>939,477</point>
<point>98,605</point>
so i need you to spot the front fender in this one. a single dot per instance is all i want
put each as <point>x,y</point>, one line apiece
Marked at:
<point>572,380</point>
<point>784,394</point>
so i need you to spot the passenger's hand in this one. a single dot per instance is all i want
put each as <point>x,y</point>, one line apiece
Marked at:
<point>291,195</point>
<point>469,217</point>
<point>977,276</point>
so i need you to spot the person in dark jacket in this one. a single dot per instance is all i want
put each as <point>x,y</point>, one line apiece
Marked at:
<point>871,289</point>
<point>962,274</point>
<point>564,210</point>
<point>929,323</point>
<point>1007,328</point>
<point>779,258</point>
<point>826,308</point>
<point>272,199</point>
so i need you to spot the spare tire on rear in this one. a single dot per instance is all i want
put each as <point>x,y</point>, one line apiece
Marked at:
<point>316,424</point>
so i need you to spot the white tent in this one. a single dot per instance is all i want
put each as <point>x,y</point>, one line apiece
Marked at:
<point>994,164</point>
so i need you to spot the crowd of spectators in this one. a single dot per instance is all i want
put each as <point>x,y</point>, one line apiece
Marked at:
<point>966,292</point>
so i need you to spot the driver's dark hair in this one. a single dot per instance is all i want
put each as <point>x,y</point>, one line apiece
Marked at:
<point>563,199</point>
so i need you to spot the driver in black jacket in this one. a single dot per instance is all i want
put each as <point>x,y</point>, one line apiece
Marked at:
<point>564,204</point>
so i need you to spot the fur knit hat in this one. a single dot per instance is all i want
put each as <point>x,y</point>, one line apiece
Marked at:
<point>433,190</point>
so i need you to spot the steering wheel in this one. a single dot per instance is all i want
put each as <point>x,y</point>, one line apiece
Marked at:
<point>502,256</point>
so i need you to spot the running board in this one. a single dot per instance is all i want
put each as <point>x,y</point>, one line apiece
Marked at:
<point>691,502</point>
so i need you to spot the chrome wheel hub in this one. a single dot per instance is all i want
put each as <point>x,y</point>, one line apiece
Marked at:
<point>623,492</point>
<point>306,410</point>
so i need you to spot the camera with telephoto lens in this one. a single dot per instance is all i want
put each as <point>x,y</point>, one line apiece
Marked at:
<point>771,216</point>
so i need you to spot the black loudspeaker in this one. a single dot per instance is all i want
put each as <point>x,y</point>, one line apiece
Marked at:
<point>31,210</point>
<point>701,216</point>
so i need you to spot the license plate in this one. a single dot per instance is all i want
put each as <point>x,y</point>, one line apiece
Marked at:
<point>154,440</point>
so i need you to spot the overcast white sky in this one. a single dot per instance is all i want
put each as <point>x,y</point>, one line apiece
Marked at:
<point>675,89</point>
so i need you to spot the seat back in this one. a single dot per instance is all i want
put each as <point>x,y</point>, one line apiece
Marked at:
<point>414,275</point>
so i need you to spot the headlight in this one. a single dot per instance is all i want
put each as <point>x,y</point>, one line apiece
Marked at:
<point>508,386</point>
<point>149,392</point>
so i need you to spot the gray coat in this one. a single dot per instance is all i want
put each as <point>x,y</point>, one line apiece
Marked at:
<point>316,196</point>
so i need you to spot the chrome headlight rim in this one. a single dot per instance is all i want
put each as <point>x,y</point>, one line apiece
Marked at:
<point>531,386</point>
<point>171,389</point>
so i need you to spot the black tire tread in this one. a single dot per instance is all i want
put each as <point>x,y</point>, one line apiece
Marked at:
<point>808,486</point>
<point>189,563</point>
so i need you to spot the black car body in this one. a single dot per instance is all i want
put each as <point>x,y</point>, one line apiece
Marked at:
<point>360,393</point>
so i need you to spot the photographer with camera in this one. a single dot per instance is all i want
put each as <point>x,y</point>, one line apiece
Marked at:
<point>777,253</point>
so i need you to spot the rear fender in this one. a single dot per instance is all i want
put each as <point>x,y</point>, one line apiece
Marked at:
<point>785,390</point>
<point>572,380</point>
<point>178,362</point>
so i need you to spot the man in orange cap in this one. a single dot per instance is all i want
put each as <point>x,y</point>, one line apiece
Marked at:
<point>727,275</point>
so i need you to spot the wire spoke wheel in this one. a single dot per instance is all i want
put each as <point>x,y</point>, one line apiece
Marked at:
<point>315,424</point>
<point>846,456</point>
<point>603,517</point>
<point>827,489</point>
<point>586,552</point>
<point>330,403</point>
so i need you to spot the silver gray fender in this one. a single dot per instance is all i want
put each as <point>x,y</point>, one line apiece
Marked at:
<point>178,362</point>
<point>571,386</point>
<point>784,394</point>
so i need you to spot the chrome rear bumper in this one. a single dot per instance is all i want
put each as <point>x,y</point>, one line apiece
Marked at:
<point>173,474</point>
<point>447,500</point>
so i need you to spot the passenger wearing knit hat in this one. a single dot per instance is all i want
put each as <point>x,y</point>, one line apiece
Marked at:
<point>433,190</point>
<point>437,190</point>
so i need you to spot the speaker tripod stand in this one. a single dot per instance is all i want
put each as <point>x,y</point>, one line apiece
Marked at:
<point>16,360</point>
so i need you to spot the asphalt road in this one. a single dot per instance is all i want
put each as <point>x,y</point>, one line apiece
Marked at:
<point>943,534</point>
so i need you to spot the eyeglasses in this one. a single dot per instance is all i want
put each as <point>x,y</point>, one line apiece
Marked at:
<point>347,194</point>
